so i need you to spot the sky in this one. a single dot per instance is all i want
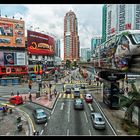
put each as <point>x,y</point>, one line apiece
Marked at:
<point>50,18</point>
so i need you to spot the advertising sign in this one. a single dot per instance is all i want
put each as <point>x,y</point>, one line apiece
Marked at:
<point>39,43</point>
<point>12,33</point>
<point>9,58</point>
<point>20,58</point>
<point>1,59</point>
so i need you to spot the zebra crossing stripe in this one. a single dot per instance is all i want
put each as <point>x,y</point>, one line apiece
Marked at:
<point>72,96</point>
<point>60,95</point>
<point>81,96</point>
<point>64,95</point>
<point>68,96</point>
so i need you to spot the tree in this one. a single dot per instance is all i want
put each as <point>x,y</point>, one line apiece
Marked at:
<point>130,102</point>
<point>68,62</point>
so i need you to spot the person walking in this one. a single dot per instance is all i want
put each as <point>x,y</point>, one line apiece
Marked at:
<point>30,84</point>
<point>30,97</point>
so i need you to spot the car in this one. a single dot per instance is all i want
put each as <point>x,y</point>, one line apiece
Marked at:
<point>68,90</point>
<point>82,86</point>
<point>98,120</point>
<point>16,99</point>
<point>78,104</point>
<point>39,115</point>
<point>88,98</point>
<point>76,92</point>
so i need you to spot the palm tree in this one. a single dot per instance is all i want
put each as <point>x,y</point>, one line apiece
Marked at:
<point>130,102</point>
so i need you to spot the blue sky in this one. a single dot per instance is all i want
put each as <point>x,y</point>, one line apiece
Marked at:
<point>50,18</point>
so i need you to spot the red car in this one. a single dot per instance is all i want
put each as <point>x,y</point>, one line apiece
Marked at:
<point>88,98</point>
<point>16,100</point>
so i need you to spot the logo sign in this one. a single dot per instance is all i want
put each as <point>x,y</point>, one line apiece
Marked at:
<point>9,58</point>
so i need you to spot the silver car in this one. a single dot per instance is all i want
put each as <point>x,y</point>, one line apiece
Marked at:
<point>78,103</point>
<point>98,120</point>
<point>39,115</point>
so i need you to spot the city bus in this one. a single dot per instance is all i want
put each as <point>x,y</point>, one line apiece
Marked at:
<point>111,94</point>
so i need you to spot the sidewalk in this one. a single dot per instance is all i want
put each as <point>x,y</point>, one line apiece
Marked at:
<point>8,124</point>
<point>114,116</point>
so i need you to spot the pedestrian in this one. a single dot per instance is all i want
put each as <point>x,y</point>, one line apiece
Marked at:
<point>63,87</point>
<point>17,93</point>
<point>55,92</point>
<point>12,94</point>
<point>30,97</point>
<point>30,84</point>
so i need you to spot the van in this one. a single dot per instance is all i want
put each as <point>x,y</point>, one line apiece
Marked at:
<point>16,100</point>
<point>76,92</point>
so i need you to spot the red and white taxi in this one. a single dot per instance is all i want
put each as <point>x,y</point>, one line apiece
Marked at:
<point>88,98</point>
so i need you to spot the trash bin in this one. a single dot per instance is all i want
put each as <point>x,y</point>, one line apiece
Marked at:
<point>3,82</point>
<point>37,94</point>
<point>15,81</point>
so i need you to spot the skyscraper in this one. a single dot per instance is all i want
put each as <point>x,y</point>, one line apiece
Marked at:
<point>71,38</point>
<point>121,17</point>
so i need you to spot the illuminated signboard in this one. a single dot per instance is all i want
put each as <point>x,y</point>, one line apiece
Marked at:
<point>39,43</point>
<point>12,33</point>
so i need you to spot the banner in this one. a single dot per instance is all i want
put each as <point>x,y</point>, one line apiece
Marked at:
<point>1,59</point>
<point>20,58</point>
<point>39,43</point>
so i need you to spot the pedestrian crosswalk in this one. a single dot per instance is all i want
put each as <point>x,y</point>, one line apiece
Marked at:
<point>68,96</point>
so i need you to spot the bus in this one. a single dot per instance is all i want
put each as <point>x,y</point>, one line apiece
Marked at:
<point>111,94</point>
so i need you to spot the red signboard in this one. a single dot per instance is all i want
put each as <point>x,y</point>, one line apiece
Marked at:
<point>39,43</point>
<point>128,26</point>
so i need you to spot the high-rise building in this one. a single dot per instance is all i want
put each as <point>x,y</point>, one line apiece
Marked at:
<point>96,41</point>
<point>85,54</point>
<point>57,48</point>
<point>104,11</point>
<point>121,17</point>
<point>71,38</point>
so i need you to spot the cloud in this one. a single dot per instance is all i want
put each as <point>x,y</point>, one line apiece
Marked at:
<point>50,18</point>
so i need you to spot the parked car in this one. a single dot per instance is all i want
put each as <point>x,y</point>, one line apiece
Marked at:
<point>78,103</point>
<point>98,120</point>
<point>88,98</point>
<point>16,100</point>
<point>76,92</point>
<point>39,115</point>
<point>68,90</point>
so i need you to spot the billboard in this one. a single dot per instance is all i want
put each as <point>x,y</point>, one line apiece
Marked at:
<point>12,33</point>
<point>9,58</point>
<point>39,43</point>
<point>1,59</point>
<point>20,58</point>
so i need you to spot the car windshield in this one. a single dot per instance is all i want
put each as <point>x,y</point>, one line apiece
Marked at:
<point>40,114</point>
<point>136,37</point>
<point>99,119</point>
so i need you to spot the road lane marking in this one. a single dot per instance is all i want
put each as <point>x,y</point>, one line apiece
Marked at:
<point>68,132</point>
<point>54,107</point>
<point>69,112</point>
<point>41,132</point>
<point>62,106</point>
<point>105,117</point>
<point>90,106</point>
<point>89,132</point>
<point>72,96</point>
<point>86,116</point>
<point>46,124</point>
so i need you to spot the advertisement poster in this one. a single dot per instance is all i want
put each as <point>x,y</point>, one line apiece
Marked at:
<point>1,59</point>
<point>20,58</point>
<point>9,59</point>
<point>39,43</point>
<point>12,33</point>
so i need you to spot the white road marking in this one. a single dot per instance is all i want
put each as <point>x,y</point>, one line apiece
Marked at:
<point>90,107</point>
<point>54,107</point>
<point>46,124</point>
<point>89,132</point>
<point>105,117</point>
<point>68,132</point>
<point>41,132</point>
<point>86,117</point>
<point>62,106</point>
<point>69,112</point>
